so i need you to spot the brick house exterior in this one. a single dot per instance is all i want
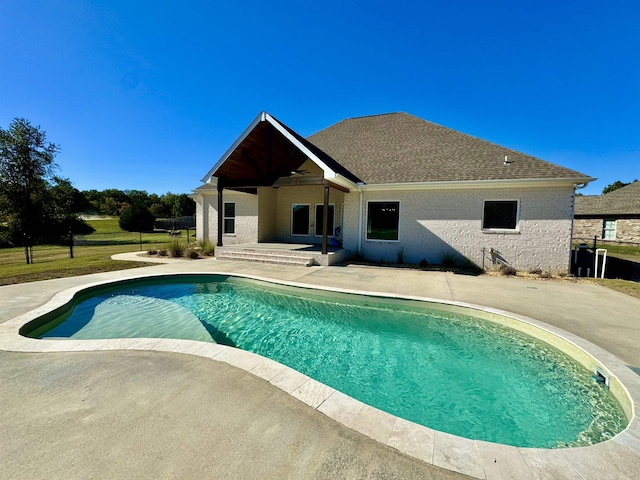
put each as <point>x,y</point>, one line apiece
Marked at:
<point>398,187</point>
<point>614,216</point>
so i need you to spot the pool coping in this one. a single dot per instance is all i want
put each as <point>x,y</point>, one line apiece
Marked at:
<point>479,459</point>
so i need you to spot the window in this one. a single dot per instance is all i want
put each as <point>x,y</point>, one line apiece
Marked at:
<point>300,220</point>
<point>330,221</point>
<point>382,220</point>
<point>229,218</point>
<point>609,230</point>
<point>500,215</point>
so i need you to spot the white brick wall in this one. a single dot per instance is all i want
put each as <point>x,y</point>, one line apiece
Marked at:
<point>246,228</point>
<point>434,223</point>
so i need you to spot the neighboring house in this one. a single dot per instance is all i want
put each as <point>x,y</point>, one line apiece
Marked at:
<point>613,216</point>
<point>399,187</point>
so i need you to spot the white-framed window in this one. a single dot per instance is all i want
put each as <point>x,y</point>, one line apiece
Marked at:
<point>300,219</point>
<point>229,218</point>
<point>500,215</point>
<point>608,229</point>
<point>330,219</point>
<point>383,221</point>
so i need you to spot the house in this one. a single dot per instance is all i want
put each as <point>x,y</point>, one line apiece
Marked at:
<point>398,187</point>
<point>614,216</point>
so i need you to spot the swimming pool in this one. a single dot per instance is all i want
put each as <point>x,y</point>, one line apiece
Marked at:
<point>426,363</point>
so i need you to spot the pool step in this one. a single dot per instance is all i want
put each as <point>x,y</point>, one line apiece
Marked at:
<point>279,257</point>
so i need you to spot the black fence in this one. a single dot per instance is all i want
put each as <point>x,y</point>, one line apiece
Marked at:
<point>37,252</point>
<point>586,251</point>
<point>178,223</point>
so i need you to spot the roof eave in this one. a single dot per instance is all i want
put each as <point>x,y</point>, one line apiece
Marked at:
<point>524,182</point>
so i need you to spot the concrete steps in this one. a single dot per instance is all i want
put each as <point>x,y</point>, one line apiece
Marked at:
<point>279,257</point>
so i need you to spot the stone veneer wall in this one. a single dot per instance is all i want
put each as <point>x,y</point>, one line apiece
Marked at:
<point>627,229</point>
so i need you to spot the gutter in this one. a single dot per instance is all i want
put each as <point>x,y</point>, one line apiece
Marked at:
<point>533,182</point>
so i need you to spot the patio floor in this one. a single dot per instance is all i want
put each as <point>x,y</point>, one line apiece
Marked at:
<point>157,414</point>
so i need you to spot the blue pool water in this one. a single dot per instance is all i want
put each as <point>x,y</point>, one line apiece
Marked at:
<point>451,372</point>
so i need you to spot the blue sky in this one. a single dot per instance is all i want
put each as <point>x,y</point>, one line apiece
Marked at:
<point>149,94</point>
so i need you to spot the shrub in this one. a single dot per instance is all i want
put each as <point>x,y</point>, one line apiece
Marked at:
<point>136,218</point>
<point>423,263</point>
<point>400,258</point>
<point>207,247</point>
<point>507,270</point>
<point>152,252</point>
<point>176,248</point>
<point>162,252</point>
<point>535,271</point>
<point>192,254</point>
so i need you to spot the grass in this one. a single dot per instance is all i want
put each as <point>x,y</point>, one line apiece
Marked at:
<point>623,286</point>
<point>612,248</point>
<point>52,261</point>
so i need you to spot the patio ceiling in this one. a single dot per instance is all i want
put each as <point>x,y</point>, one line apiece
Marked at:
<point>262,157</point>
<point>267,151</point>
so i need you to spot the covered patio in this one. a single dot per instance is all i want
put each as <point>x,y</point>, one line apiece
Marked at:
<point>273,175</point>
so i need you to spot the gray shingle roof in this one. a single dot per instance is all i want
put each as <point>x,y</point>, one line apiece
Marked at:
<point>401,148</point>
<point>623,201</point>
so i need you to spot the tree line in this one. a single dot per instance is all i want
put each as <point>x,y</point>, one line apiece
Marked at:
<point>37,205</point>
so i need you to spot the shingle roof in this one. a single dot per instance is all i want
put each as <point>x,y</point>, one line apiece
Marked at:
<point>401,148</point>
<point>623,201</point>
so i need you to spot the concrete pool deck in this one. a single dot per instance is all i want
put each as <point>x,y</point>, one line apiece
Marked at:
<point>149,413</point>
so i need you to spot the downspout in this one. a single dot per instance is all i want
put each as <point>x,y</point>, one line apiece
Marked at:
<point>360,219</point>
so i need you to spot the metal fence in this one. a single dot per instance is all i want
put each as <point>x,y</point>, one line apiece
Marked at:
<point>596,242</point>
<point>37,252</point>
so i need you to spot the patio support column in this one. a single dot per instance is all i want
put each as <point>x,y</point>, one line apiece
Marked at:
<point>325,219</point>
<point>220,187</point>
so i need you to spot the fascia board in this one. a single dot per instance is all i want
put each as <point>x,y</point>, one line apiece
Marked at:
<point>343,182</point>
<point>513,183</point>
<point>328,172</point>
<point>239,140</point>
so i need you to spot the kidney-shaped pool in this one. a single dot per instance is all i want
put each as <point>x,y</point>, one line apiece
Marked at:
<point>441,366</point>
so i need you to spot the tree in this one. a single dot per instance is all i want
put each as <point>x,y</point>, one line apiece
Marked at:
<point>136,218</point>
<point>178,205</point>
<point>615,186</point>
<point>34,203</point>
<point>64,201</point>
<point>26,165</point>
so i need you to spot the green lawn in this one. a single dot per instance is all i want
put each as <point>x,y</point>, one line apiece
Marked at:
<point>52,261</point>
<point>623,286</point>
<point>626,250</point>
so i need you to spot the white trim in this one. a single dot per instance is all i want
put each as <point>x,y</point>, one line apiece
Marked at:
<point>501,230</point>
<point>604,227</point>
<point>381,240</point>
<point>510,183</point>
<point>308,221</point>
<point>239,140</point>
<point>333,227</point>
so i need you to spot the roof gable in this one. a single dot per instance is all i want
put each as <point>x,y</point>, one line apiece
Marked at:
<point>401,148</point>
<point>268,150</point>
